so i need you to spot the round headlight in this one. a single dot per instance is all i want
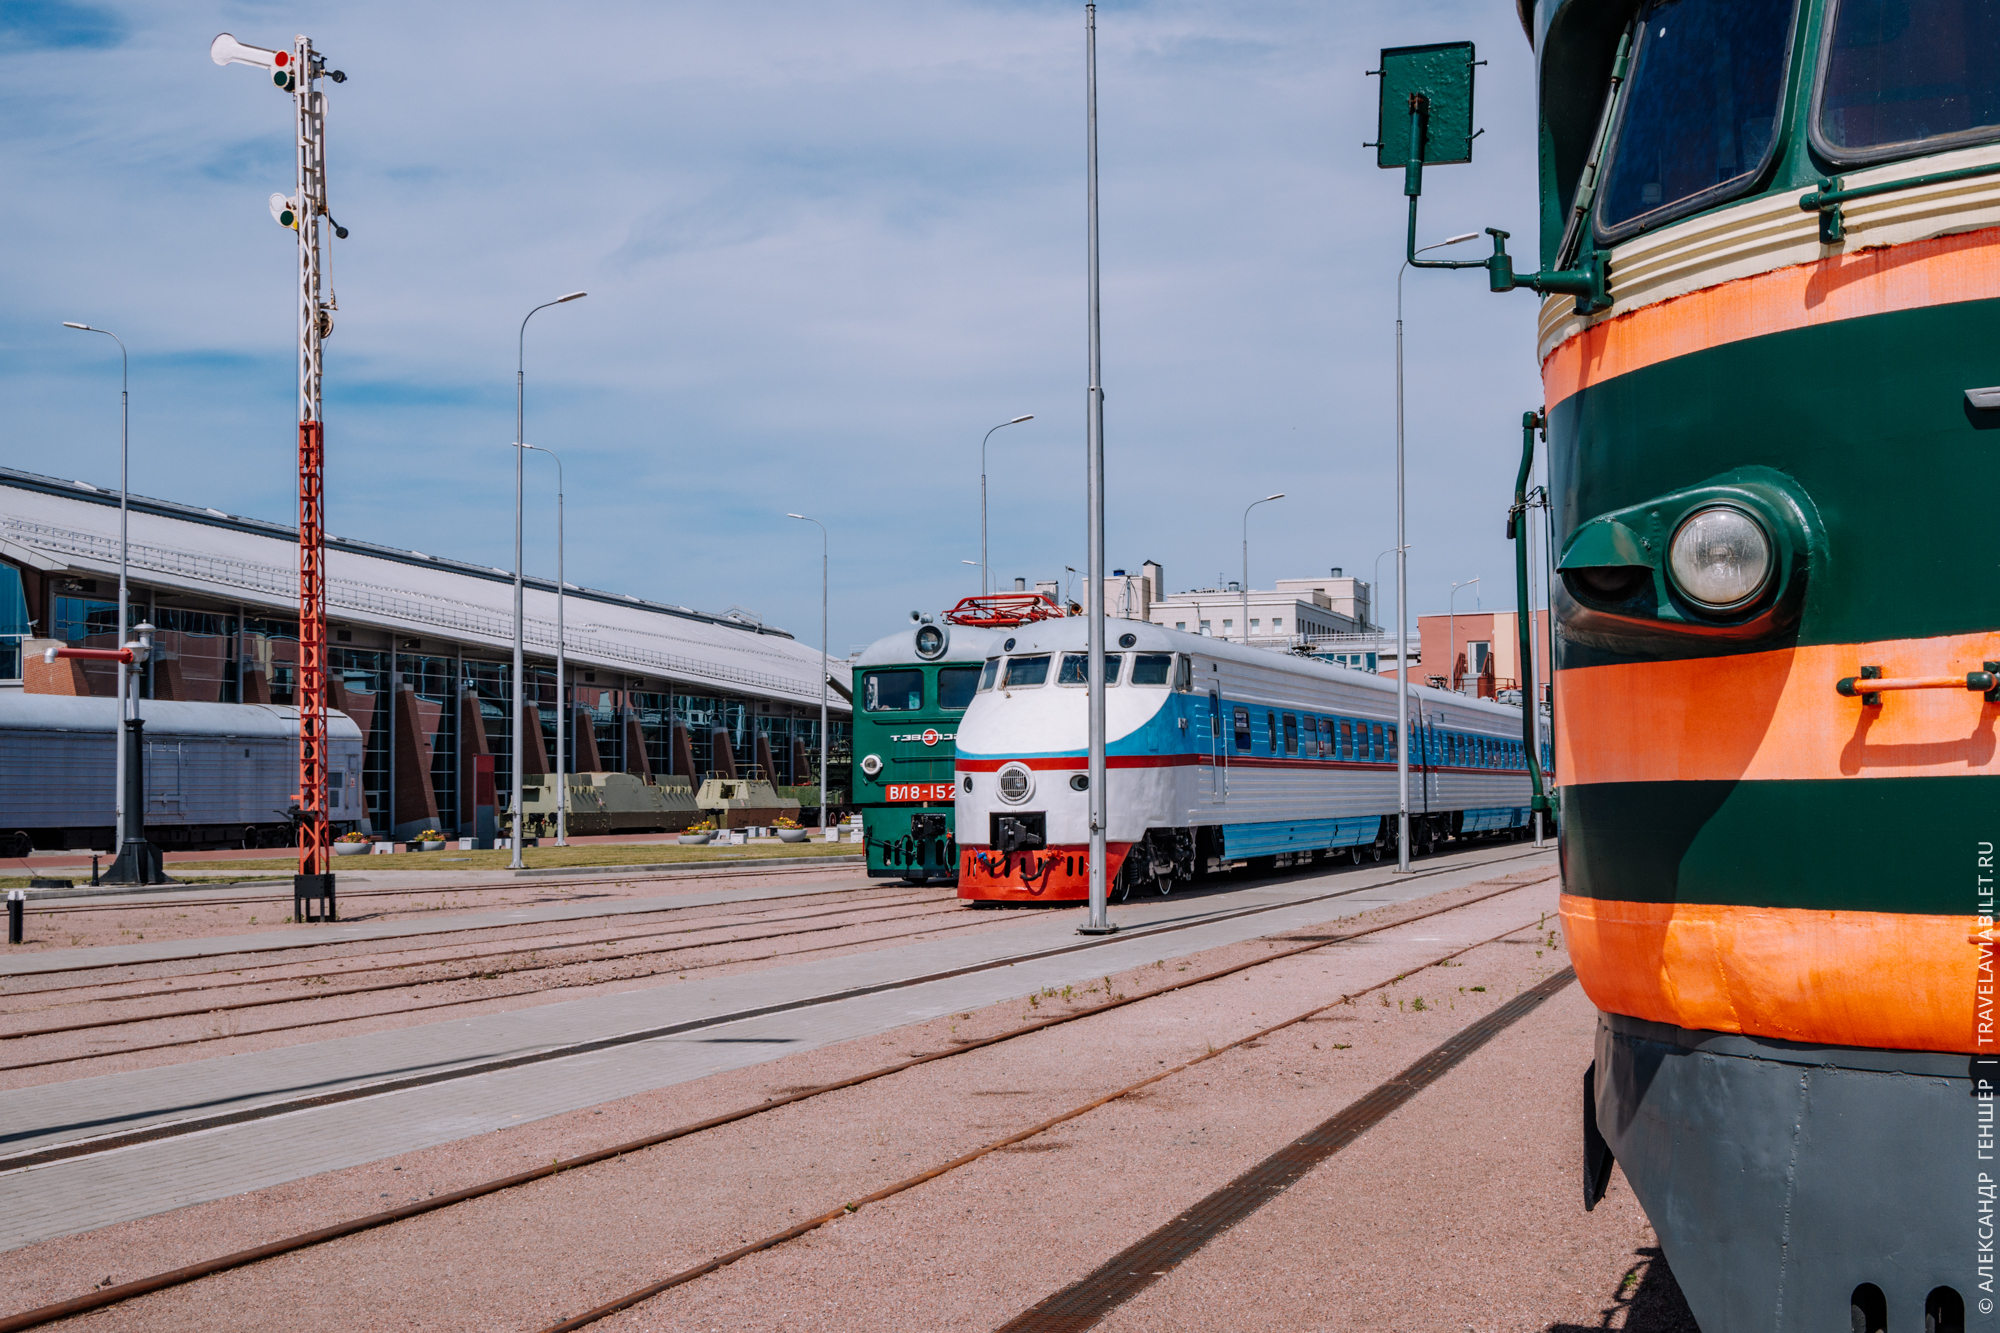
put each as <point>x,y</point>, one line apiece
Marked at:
<point>966,781</point>
<point>872,765</point>
<point>1016,783</point>
<point>930,642</point>
<point>1720,558</point>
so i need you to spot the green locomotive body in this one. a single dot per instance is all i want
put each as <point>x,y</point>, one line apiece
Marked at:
<point>910,690</point>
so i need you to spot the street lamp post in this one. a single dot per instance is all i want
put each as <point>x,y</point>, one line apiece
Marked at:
<point>1375,582</point>
<point>520,696</point>
<point>1451,659</point>
<point>1403,583</point>
<point>128,820</point>
<point>985,569</point>
<point>1099,922</point>
<point>1246,560</point>
<point>823,547</point>
<point>567,720</point>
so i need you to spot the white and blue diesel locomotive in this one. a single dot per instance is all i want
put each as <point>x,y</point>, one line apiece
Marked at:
<point>1217,754</point>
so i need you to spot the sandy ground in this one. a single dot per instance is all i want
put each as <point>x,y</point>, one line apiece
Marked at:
<point>1462,1211</point>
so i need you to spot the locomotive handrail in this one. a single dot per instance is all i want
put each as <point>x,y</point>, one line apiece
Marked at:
<point>1871,684</point>
<point>1831,194</point>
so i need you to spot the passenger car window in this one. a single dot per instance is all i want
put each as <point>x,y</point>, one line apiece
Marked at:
<point>892,691</point>
<point>1899,72</point>
<point>1291,734</point>
<point>1697,118</point>
<point>1271,725</point>
<point>1347,740</point>
<point>1151,668</point>
<point>1075,668</point>
<point>990,673</point>
<point>1325,738</point>
<point>1375,734</point>
<point>956,685</point>
<point>1026,671</point>
<point>1243,730</point>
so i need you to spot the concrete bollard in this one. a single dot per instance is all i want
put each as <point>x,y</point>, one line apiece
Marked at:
<point>17,911</point>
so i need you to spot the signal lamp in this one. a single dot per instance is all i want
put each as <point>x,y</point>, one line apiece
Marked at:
<point>284,212</point>
<point>1720,558</point>
<point>872,765</point>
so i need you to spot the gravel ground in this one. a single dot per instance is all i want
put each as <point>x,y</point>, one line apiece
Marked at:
<point>1393,1223</point>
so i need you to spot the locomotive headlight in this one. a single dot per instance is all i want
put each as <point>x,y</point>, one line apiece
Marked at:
<point>930,642</point>
<point>872,765</point>
<point>1016,783</point>
<point>1720,558</point>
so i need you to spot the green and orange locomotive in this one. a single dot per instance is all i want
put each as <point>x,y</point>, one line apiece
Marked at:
<point>1770,352</point>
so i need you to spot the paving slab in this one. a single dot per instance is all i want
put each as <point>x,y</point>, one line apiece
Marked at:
<point>818,1003</point>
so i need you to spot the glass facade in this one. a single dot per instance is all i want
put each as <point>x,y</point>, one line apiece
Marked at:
<point>413,704</point>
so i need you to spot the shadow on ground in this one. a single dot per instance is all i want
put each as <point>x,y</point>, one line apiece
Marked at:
<point>1647,1300</point>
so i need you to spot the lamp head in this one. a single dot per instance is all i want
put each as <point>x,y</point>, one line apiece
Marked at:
<point>1018,420</point>
<point>69,324</point>
<point>573,296</point>
<point>1460,240</point>
<point>1279,496</point>
<point>795,516</point>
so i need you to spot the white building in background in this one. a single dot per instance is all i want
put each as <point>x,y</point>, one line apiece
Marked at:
<point>1295,613</point>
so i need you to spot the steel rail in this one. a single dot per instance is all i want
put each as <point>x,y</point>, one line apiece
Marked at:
<point>687,1275</point>
<point>384,967</point>
<point>442,981</point>
<point>358,1092</point>
<point>124,1291</point>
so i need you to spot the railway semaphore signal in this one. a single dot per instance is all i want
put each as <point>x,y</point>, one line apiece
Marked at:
<point>297,72</point>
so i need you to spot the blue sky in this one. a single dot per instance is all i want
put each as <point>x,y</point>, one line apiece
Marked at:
<point>827,245</point>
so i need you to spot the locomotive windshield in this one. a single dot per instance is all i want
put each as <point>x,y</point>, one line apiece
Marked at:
<point>956,686</point>
<point>1076,668</point>
<point>1025,671</point>
<point>1902,71</point>
<point>1696,126</point>
<point>893,691</point>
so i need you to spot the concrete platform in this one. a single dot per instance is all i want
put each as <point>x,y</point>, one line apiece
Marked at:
<point>721,1023</point>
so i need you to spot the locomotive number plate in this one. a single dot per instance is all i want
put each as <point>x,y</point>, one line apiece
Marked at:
<point>919,791</point>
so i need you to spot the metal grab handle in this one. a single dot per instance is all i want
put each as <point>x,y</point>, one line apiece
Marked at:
<point>49,655</point>
<point>1871,684</point>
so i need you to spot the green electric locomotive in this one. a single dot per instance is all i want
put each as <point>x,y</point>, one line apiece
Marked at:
<point>910,690</point>
<point>1770,264</point>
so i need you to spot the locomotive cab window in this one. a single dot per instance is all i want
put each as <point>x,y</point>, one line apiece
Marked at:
<point>989,673</point>
<point>1184,674</point>
<point>1243,730</point>
<point>1151,668</point>
<point>1698,115</point>
<point>956,685</point>
<point>1897,75</point>
<point>1023,672</point>
<point>893,691</point>
<point>1075,668</point>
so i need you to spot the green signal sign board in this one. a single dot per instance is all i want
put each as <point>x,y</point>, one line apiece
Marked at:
<point>1440,74</point>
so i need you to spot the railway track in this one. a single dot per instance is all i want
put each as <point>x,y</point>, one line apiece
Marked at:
<point>323,1023</point>
<point>734,870</point>
<point>1306,944</point>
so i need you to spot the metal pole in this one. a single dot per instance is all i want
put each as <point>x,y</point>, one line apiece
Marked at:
<point>520,695</point>
<point>1099,922</point>
<point>565,714</point>
<point>823,643</point>
<point>124,552</point>
<point>1246,560</point>
<point>985,569</point>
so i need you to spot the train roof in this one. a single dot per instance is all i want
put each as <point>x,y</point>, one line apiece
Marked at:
<point>62,712</point>
<point>963,643</point>
<point>1072,633</point>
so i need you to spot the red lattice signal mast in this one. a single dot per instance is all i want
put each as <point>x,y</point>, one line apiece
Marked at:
<point>298,72</point>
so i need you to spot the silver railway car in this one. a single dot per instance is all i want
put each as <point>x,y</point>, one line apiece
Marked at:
<point>1217,754</point>
<point>217,775</point>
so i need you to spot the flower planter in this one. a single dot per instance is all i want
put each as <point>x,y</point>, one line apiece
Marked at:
<point>437,846</point>
<point>696,839</point>
<point>352,849</point>
<point>793,834</point>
